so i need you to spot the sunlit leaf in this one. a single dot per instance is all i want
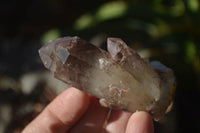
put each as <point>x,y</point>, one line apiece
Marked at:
<point>193,5</point>
<point>111,10</point>
<point>84,22</point>
<point>50,35</point>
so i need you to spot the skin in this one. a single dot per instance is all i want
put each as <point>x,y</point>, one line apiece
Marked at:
<point>74,111</point>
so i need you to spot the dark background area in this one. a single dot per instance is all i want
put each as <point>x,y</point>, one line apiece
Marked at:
<point>164,30</point>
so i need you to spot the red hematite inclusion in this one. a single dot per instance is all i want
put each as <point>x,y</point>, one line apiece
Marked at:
<point>120,78</point>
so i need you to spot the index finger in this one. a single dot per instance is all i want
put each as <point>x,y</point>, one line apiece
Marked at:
<point>61,113</point>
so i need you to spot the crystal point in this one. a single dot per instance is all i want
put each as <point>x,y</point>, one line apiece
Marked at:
<point>120,78</point>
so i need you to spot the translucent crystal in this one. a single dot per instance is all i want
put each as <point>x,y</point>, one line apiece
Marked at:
<point>120,78</point>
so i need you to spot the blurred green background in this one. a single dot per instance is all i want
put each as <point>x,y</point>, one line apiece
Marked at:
<point>164,30</point>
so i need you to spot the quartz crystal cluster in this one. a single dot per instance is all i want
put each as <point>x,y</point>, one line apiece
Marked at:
<point>120,78</point>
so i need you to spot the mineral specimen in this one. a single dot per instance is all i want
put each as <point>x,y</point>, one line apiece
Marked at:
<point>120,78</point>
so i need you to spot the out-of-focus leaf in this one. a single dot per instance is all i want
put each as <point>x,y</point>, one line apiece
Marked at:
<point>190,51</point>
<point>193,5</point>
<point>107,11</point>
<point>178,9</point>
<point>50,35</point>
<point>85,21</point>
<point>111,10</point>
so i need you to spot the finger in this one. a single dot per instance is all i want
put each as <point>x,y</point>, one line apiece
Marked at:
<point>140,122</point>
<point>93,120</point>
<point>61,114</point>
<point>117,121</point>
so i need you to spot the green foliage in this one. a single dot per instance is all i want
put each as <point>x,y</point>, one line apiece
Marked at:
<point>50,35</point>
<point>107,11</point>
<point>190,51</point>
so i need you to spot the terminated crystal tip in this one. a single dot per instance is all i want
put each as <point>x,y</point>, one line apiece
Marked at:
<point>120,78</point>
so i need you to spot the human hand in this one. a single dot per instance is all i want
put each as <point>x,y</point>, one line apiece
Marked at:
<point>74,111</point>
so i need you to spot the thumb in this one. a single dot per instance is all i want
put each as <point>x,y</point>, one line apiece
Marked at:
<point>140,122</point>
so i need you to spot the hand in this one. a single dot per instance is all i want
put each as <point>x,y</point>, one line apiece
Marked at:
<point>74,111</point>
